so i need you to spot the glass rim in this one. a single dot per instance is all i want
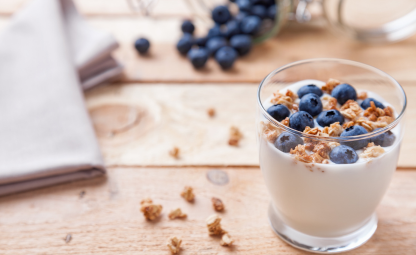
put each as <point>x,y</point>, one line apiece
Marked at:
<point>333,139</point>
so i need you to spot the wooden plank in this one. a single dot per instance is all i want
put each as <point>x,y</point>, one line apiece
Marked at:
<point>176,115</point>
<point>107,220</point>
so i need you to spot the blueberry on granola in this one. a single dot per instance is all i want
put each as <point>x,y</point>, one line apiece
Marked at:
<point>326,118</point>
<point>300,120</point>
<point>311,88</point>
<point>287,141</point>
<point>366,103</point>
<point>354,131</point>
<point>311,103</point>
<point>343,93</point>
<point>343,155</point>
<point>279,112</point>
<point>385,139</point>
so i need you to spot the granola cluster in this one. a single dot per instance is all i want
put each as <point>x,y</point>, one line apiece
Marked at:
<point>188,194</point>
<point>372,151</point>
<point>174,244</point>
<point>150,211</point>
<point>217,204</point>
<point>177,214</point>
<point>214,225</point>
<point>287,99</point>
<point>235,136</point>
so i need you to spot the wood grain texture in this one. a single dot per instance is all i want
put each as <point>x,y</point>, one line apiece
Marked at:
<point>107,220</point>
<point>137,124</point>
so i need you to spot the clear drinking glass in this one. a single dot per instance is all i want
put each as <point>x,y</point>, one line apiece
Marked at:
<point>327,208</point>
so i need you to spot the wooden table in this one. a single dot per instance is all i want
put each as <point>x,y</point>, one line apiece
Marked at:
<point>168,100</point>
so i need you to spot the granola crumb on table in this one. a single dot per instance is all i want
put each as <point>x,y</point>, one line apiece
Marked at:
<point>235,136</point>
<point>217,204</point>
<point>177,213</point>
<point>214,225</point>
<point>174,244</point>
<point>174,152</point>
<point>226,240</point>
<point>150,211</point>
<point>211,112</point>
<point>188,194</point>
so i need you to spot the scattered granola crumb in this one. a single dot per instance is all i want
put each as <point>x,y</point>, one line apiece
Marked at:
<point>372,151</point>
<point>291,94</point>
<point>150,210</point>
<point>285,121</point>
<point>270,131</point>
<point>325,161</point>
<point>348,124</point>
<point>329,103</point>
<point>330,85</point>
<point>188,194</point>
<point>214,225</point>
<point>389,111</point>
<point>211,112</point>
<point>174,244</point>
<point>226,240</point>
<point>177,213</point>
<point>217,204</point>
<point>235,136</point>
<point>68,238</point>
<point>362,95</point>
<point>174,152</point>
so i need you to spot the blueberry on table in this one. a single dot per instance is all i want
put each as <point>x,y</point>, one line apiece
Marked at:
<point>198,57</point>
<point>215,31</point>
<point>300,120</point>
<point>241,15</point>
<point>250,25</point>
<point>241,43</point>
<point>354,131</point>
<point>271,12</point>
<point>259,11</point>
<point>329,117</point>
<point>343,155</point>
<point>279,112</point>
<point>366,103</point>
<point>221,14</point>
<point>226,57</point>
<point>287,141</point>
<point>185,44</point>
<point>188,27</point>
<point>311,88</point>
<point>311,103</point>
<point>214,44</point>
<point>244,5</point>
<point>385,139</point>
<point>343,93</point>
<point>142,45</point>
<point>232,28</point>
<point>201,41</point>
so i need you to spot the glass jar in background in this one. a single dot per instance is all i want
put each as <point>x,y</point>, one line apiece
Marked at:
<point>371,21</point>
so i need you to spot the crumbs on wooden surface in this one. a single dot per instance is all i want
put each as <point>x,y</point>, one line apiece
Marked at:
<point>150,211</point>
<point>174,244</point>
<point>214,225</point>
<point>217,204</point>
<point>174,152</point>
<point>211,112</point>
<point>235,136</point>
<point>177,214</point>
<point>68,238</point>
<point>188,194</point>
<point>226,240</point>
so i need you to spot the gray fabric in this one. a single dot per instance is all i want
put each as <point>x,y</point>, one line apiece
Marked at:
<point>48,53</point>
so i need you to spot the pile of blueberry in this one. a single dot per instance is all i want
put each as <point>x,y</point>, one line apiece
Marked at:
<point>310,106</point>
<point>230,37</point>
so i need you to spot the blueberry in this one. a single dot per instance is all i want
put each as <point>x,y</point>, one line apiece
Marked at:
<point>279,112</point>
<point>353,131</point>
<point>215,44</point>
<point>188,27</point>
<point>215,31</point>
<point>250,25</point>
<point>226,57</point>
<point>241,43</point>
<point>311,103</point>
<point>244,5</point>
<point>309,89</point>
<point>185,44</point>
<point>343,155</point>
<point>201,41</point>
<point>385,139</point>
<point>241,15</point>
<point>232,28</point>
<point>271,12</point>
<point>366,103</point>
<point>221,14</point>
<point>198,57</point>
<point>326,118</point>
<point>232,1</point>
<point>300,120</point>
<point>287,141</point>
<point>259,11</point>
<point>142,45</point>
<point>343,93</point>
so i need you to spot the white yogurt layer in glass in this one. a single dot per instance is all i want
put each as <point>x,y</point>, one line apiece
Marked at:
<point>326,200</point>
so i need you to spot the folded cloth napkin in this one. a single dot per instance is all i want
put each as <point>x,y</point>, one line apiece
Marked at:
<point>48,54</point>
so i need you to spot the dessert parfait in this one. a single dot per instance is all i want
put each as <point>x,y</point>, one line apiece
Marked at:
<point>328,150</point>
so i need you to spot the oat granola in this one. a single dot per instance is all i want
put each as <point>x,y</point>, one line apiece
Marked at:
<point>176,214</point>
<point>329,103</point>
<point>270,131</point>
<point>188,194</point>
<point>150,211</point>
<point>372,151</point>
<point>217,204</point>
<point>226,240</point>
<point>330,85</point>
<point>285,121</point>
<point>214,225</point>
<point>174,152</point>
<point>174,244</point>
<point>362,95</point>
<point>235,136</point>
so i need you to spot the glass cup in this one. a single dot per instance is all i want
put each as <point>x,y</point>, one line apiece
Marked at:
<point>318,207</point>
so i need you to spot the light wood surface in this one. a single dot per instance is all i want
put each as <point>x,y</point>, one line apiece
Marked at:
<point>106,220</point>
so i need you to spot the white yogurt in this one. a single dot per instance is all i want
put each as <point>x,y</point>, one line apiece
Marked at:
<point>326,200</point>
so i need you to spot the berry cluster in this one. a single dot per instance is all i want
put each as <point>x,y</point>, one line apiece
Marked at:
<point>230,37</point>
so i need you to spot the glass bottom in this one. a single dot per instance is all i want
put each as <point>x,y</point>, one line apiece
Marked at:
<point>320,244</point>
